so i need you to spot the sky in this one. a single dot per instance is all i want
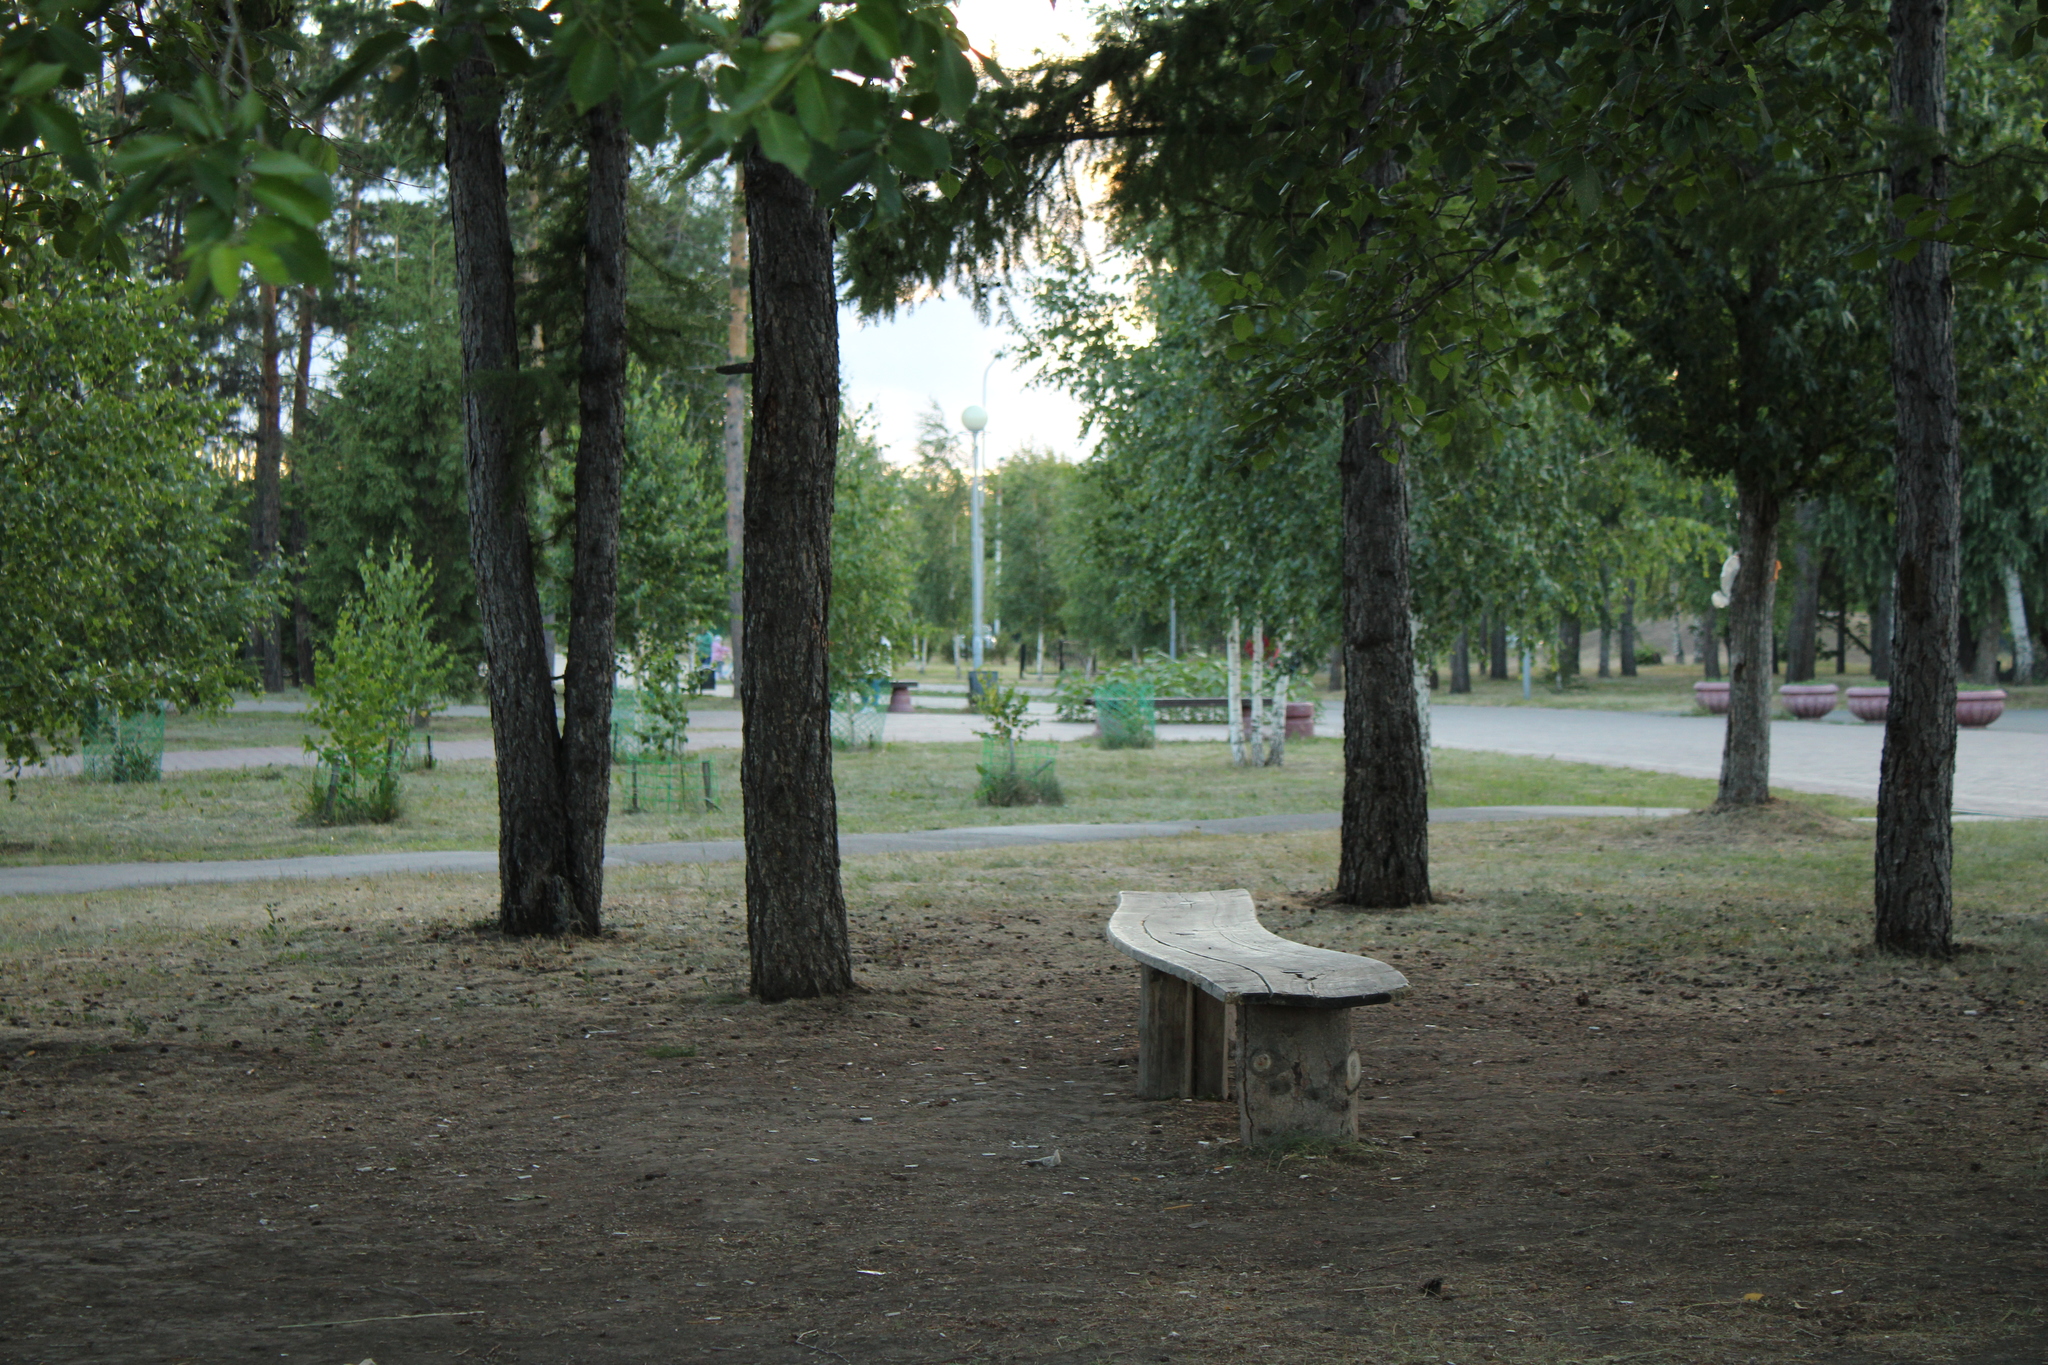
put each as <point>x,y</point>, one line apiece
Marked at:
<point>937,350</point>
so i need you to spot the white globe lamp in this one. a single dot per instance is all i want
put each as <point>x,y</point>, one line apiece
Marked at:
<point>975,418</point>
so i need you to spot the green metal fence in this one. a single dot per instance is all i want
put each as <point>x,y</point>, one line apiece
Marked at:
<point>124,748</point>
<point>1125,714</point>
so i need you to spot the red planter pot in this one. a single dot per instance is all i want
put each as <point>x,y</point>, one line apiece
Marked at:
<point>1712,697</point>
<point>1809,701</point>
<point>1975,710</point>
<point>1870,703</point>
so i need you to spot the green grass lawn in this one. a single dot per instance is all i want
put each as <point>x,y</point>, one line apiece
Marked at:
<point>264,729</point>
<point>254,813</point>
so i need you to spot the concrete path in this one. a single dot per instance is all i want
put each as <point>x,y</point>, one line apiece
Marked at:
<point>1999,771</point>
<point>79,878</point>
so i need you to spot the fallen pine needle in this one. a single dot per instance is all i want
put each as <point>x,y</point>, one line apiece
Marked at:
<point>351,1322</point>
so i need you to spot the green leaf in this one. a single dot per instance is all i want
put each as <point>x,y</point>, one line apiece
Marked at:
<point>289,199</point>
<point>918,151</point>
<point>593,73</point>
<point>36,81</point>
<point>783,140</point>
<point>224,269</point>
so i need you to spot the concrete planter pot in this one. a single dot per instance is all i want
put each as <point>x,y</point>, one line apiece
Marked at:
<point>1975,710</point>
<point>1712,697</point>
<point>1870,703</point>
<point>1809,701</point>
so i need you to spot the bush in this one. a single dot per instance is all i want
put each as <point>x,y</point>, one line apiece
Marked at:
<point>1014,772</point>
<point>1647,654</point>
<point>377,675</point>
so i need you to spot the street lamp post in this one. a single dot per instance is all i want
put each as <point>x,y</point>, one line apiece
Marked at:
<point>975,419</point>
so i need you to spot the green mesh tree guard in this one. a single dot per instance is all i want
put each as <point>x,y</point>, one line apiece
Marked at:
<point>665,784</point>
<point>1018,773</point>
<point>1125,714</point>
<point>123,748</point>
<point>858,717</point>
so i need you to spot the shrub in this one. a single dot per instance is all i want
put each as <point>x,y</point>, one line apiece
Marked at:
<point>376,676</point>
<point>1649,654</point>
<point>1013,771</point>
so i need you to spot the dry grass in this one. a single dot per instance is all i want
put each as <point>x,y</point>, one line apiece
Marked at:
<point>1764,1107</point>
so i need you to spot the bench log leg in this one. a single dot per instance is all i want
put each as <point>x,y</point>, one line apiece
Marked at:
<point>1181,1040</point>
<point>1297,1074</point>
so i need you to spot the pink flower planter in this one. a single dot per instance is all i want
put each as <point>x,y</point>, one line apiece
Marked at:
<point>1975,710</point>
<point>1712,697</point>
<point>1809,701</point>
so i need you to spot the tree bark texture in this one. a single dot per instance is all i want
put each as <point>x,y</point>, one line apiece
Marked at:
<point>1628,629</point>
<point>796,910</point>
<point>534,870</point>
<point>269,491</point>
<point>2016,619</point>
<point>736,414</point>
<point>1570,641</point>
<point>1461,663</point>
<point>600,462</point>
<point>1802,634</point>
<point>300,534</point>
<point>1710,644</point>
<point>1881,636</point>
<point>1916,779</point>
<point>1384,855</point>
<point>1746,747</point>
<point>1497,650</point>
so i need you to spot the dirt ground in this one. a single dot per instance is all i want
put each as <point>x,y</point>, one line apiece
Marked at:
<point>1647,1101</point>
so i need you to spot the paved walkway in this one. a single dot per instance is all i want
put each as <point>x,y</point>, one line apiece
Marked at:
<point>2002,770</point>
<point>77,878</point>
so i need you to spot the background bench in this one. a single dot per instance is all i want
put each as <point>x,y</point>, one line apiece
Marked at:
<point>1206,958</point>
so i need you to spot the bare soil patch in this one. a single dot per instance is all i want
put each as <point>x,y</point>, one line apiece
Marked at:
<point>1629,1091</point>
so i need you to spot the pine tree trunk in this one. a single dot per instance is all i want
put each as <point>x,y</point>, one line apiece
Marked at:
<point>1917,775</point>
<point>1606,626</point>
<point>269,492</point>
<point>1255,725</point>
<point>299,538</point>
<point>1233,688</point>
<point>1989,637</point>
<point>1746,747</point>
<point>600,460</point>
<point>796,910</point>
<point>1383,857</point>
<point>1628,629</point>
<point>1881,636</point>
<point>2016,619</point>
<point>1276,741</point>
<point>1570,641</point>
<point>535,895</point>
<point>1384,841</point>
<point>736,415</point>
<point>1461,663</point>
<point>1802,635</point>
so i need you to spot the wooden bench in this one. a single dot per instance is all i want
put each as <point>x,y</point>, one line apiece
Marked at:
<point>1207,958</point>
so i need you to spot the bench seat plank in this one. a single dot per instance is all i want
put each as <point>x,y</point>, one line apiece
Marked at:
<point>1214,941</point>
